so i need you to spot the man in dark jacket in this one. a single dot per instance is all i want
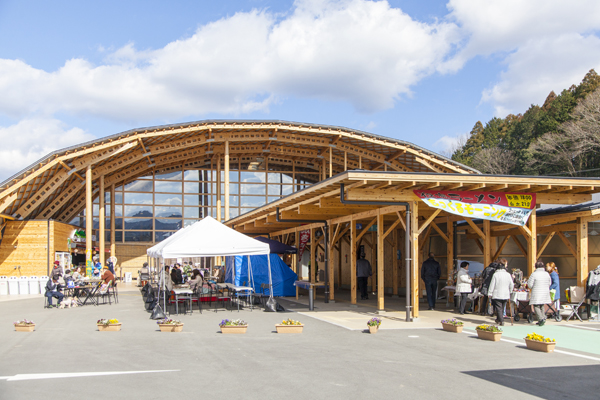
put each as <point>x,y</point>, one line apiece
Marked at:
<point>430,273</point>
<point>486,278</point>
<point>52,287</point>
<point>363,272</point>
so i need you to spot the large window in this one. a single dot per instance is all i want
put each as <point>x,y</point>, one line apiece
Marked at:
<point>155,206</point>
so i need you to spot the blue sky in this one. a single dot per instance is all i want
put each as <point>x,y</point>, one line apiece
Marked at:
<point>421,71</point>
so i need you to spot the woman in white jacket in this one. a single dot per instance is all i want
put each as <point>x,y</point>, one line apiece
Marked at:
<point>539,282</point>
<point>463,285</point>
<point>500,289</point>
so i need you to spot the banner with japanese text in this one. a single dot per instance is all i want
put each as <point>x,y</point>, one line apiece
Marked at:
<point>510,208</point>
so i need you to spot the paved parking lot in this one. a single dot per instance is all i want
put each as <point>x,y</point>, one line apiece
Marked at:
<point>67,358</point>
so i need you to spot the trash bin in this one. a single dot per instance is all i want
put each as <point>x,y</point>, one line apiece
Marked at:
<point>3,285</point>
<point>13,285</point>
<point>127,277</point>
<point>43,281</point>
<point>34,285</point>
<point>23,285</point>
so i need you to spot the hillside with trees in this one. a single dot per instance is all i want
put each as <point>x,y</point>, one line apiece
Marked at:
<point>562,137</point>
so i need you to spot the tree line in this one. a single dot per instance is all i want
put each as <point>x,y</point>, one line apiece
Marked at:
<point>562,137</point>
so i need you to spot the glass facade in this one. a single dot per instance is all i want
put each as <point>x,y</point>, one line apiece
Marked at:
<point>155,206</point>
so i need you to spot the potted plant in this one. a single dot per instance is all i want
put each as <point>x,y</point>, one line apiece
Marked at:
<point>540,343</point>
<point>24,325</point>
<point>233,326</point>
<point>170,325</point>
<point>489,332</point>
<point>108,325</point>
<point>452,325</point>
<point>373,324</point>
<point>289,326</point>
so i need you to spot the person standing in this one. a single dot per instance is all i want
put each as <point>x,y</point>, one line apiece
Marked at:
<point>499,291</point>
<point>463,286</point>
<point>430,273</point>
<point>555,285</point>
<point>363,272</point>
<point>539,282</point>
<point>486,279</point>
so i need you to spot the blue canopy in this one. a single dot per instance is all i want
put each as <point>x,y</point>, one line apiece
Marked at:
<point>283,277</point>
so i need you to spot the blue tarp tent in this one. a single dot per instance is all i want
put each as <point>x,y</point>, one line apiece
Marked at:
<point>283,277</point>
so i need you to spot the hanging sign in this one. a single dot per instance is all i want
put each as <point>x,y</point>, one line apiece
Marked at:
<point>510,208</point>
<point>304,238</point>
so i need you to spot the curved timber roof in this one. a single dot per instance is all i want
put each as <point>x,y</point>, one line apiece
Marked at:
<point>54,186</point>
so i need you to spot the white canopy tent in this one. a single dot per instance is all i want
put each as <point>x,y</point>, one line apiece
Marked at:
<point>209,238</point>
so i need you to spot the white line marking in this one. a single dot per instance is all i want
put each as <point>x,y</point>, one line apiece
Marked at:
<point>27,377</point>
<point>556,351</point>
<point>582,327</point>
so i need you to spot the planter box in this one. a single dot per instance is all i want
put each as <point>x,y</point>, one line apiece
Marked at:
<point>289,328</point>
<point>453,328</point>
<point>234,329</point>
<point>493,336</point>
<point>24,328</point>
<point>170,327</point>
<point>546,347</point>
<point>373,329</point>
<point>109,328</point>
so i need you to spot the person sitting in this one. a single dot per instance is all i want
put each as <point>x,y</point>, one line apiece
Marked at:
<point>110,266</point>
<point>52,290</point>
<point>176,276</point>
<point>107,276</point>
<point>77,275</point>
<point>56,271</point>
<point>196,279</point>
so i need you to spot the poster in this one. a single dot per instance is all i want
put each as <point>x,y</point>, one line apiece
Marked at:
<point>509,208</point>
<point>304,238</point>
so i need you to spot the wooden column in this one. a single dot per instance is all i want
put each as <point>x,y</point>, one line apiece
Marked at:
<point>313,251</point>
<point>531,242</point>
<point>345,161</point>
<point>353,249</point>
<point>323,170</point>
<point>227,180</point>
<point>582,251</point>
<point>330,264</point>
<point>414,246</point>
<point>373,278</point>
<point>487,243</point>
<point>330,162</point>
<point>295,261</point>
<point>89,219</point>
<point>380,263</point>
<point>449,248</point>
<point>395,263</point>
<point>102,227</point>
<point>219,188</point>
<point>113,245</point>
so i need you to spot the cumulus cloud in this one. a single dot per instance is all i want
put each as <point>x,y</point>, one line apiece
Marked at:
<point>447,145</point>
<point>362,52</point>
<point>31,139</point>
<point>545,44</point>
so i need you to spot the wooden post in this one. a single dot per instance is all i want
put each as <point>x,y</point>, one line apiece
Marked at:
<point>395,263</point>
<point>532,243</point>
<point>487,243</point>
<point>380,263</point>
<point>353,261</point>
<point>313,250</point>
<point>330,264</point>
<point>227,180</point>
<point>373,262</point>
<point>330,162</point>
<point>113,245</point>
<point>102,227</point>
<point>414,232</point>
<point>324,170</point>
<point>449,249</point>
<point>295,261</point>
<point>345,161</point>
<point>219,188</point>
<point>89,219</point>
<point>582,251</point>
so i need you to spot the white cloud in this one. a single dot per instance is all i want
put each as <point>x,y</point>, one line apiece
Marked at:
<point>446,145</point>
<point>31,139</point>
<point>545,44</point>
<point>362,52</point>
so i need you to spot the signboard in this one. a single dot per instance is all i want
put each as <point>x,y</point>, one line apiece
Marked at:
<point>304,238</point>
<point>509,208</point>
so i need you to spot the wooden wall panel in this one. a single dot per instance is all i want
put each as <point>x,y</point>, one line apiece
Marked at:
<point>130,258</point>
<point>24,243</point>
